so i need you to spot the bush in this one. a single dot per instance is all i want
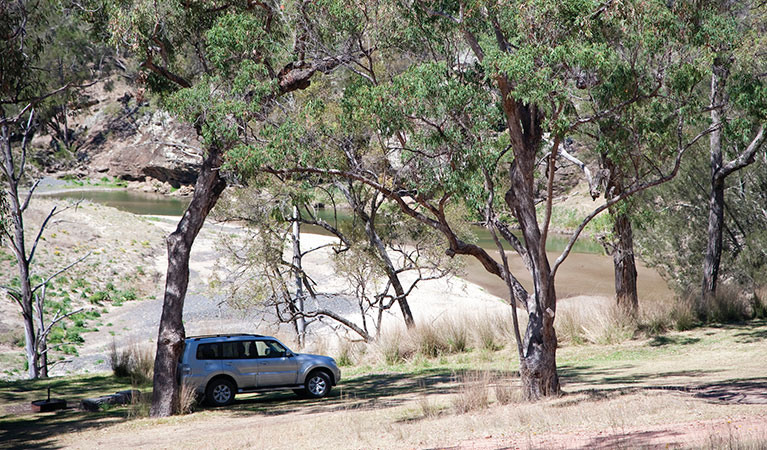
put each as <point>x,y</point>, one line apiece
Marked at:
<point>134,362</point>
<point>726,306</point>
<point>472,392</point>
<point>429,340</point>
<point>187,399</point>
<point>392,347</point>
<point>758,305</point>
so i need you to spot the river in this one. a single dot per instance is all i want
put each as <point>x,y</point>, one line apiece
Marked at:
<point>587,271</point>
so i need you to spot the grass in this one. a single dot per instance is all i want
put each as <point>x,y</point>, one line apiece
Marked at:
<point>421,402</point>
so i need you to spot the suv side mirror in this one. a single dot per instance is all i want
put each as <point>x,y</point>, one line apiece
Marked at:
<point>289,354</point>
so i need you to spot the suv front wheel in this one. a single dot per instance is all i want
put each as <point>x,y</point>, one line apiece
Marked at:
<point>220,392</point>
<point>317,384</point>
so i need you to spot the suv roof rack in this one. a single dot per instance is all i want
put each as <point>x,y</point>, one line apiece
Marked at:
<point>204,336</point>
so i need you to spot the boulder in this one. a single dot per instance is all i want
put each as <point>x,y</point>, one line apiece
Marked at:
<point>118,398</point>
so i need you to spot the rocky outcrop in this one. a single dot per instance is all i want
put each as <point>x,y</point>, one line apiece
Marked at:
<point>117,133</point>
<point>159,148</point>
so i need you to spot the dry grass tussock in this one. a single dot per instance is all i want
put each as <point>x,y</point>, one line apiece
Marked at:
<point>594,322</point>
<point>442,336</point>
<point>187,399</point>
<point>473,392</point>
<point>135,362</point>
<point>687,311</point>
<point>139,406</point>
<point>734,440</point>
<point>579,321</point>
<point>731,304</point>
<point>601,321</point>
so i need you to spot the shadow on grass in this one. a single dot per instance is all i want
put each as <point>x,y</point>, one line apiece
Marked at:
<point>40,430</point>
<point>636,439</point>
<point>751,336</point>
<point>659,341</point>
<point>752,391</point>
<point>20,428</point>
<point>363,392</point>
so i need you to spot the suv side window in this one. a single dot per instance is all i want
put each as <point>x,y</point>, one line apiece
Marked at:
<point>228,350</point>
<point>208,351</point>
<point>270,349</point>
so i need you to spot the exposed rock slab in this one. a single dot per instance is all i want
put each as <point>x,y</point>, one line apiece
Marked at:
<point>118,398</point>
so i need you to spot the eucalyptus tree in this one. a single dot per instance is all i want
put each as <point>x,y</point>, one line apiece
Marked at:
<point>488,93</point>
<point>733,32</point>
<point>222,66</point>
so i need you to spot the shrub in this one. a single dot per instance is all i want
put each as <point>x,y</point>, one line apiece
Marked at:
<point>472,392</point>
<point>392,347</point>
<point>726,306</point>
<point>99,297</point>
<point>187,399</point>
<point>134,362</point>
<point>506,393</point>
<point>428,339</point>
<point>758,305</point>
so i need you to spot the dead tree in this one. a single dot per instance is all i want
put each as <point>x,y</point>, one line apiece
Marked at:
<point>29,296</point>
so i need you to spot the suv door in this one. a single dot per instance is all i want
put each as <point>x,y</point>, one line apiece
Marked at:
<point>275,368</point>
<point>239,360</point>
<point>206,360</point>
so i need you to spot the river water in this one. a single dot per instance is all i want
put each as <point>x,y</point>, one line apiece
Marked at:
<point>587,270</point>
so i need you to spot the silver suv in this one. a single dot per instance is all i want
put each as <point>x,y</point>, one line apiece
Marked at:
<point>221,366</point>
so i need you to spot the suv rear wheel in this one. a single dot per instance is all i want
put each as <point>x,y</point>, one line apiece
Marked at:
<point>220,392</point>
<point>317,384</point>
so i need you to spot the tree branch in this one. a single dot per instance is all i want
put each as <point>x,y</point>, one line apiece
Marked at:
<point>59,272</point>
<point>629,192</point>
<point>747,157</point>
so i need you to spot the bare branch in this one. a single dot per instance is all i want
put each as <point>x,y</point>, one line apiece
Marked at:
<point>59,272</point>
<point>29,196</point>
<point>40,234</point>
<point>27,130</point>
<point>747,157</point>
<point>58,318</point>
<point>629,192</point>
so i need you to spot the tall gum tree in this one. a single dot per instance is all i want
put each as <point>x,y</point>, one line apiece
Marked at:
<point>734,33</point>
<point>470,121</point>
<point>220,67</point>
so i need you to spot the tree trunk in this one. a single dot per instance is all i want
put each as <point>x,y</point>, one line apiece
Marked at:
<point>42,344</point>
<point>170,338</point>
<point>624,263</point>
<point>713,256</point>
<point>300,320</point>
<point>380,247</point>
<point>538,366</point>
<point>19,249</point>
<point>29,347</point>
